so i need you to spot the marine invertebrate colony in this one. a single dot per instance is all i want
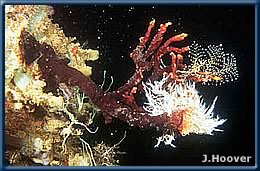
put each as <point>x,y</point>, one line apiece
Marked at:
<point>49,71</point>
<point>183,102</point>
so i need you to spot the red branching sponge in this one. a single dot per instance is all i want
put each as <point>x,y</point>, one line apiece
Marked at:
<point>121,103</point>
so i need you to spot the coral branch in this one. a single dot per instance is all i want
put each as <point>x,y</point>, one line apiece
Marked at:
<point>53,66</point>
<point>150,60</point>
<point>168,100</point>
<point>47,78</point>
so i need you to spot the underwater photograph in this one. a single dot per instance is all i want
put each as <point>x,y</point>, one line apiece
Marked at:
<point>129,85</point>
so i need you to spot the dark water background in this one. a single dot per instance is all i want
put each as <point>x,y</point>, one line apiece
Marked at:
<point>115,30</point>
